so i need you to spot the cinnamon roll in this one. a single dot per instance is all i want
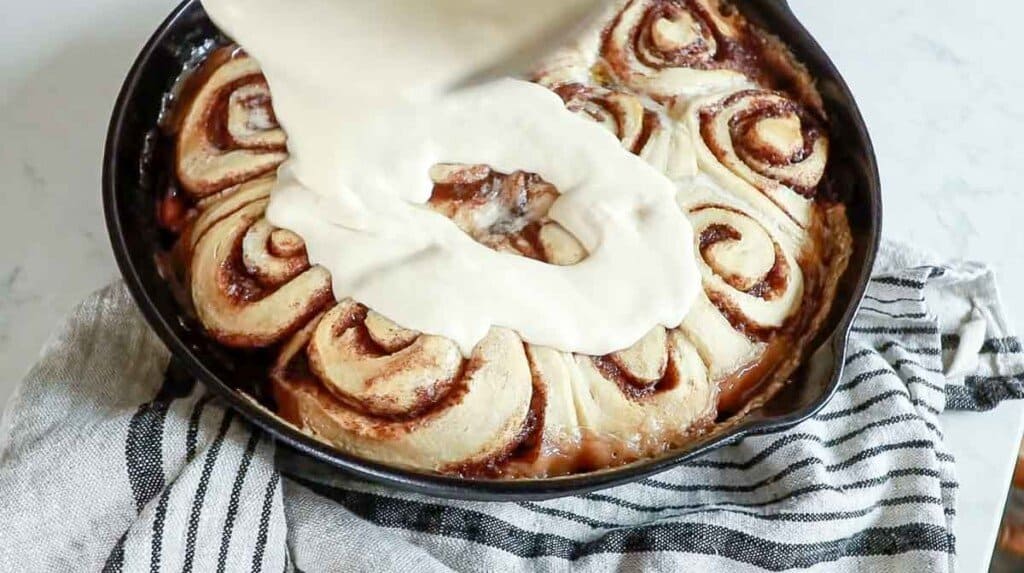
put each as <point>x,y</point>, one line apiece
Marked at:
<point>767,288</point>
<point>356,380</point>
<point>761,144</point>
<point>228,133</point>
<point>665,48</point>
<point>598,412</point>
<point>251,284</point>
<point>747,274</point>
<point>647,132</point>
<point>687,85</point>
<point>506,212</point>
<point>753,289</point>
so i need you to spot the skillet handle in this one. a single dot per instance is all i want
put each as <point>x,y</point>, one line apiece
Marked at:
<point>178,381</point>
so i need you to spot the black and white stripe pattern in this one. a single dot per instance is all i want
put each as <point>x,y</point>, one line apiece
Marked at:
<point>180,484</point>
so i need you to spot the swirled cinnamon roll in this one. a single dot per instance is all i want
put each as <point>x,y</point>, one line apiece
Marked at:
<point>766,288</point>
<point>665,48</point>
<point>753,290</point>
<point>251,284</point>
<point>761,143</point>
<point>372,388</point>
<point>228,132</point>
<point>747,273</point>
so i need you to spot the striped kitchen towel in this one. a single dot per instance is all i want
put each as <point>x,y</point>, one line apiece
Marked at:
<point>109,464</point>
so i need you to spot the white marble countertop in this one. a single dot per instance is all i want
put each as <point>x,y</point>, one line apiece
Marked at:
<point>936,81</point>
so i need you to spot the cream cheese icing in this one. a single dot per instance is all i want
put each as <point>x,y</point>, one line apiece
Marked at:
<point>361,90</point>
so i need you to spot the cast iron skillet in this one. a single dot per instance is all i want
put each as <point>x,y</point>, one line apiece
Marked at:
<point>131,187</point>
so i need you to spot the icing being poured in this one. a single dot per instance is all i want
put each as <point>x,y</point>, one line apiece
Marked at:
<point>360,88</point>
